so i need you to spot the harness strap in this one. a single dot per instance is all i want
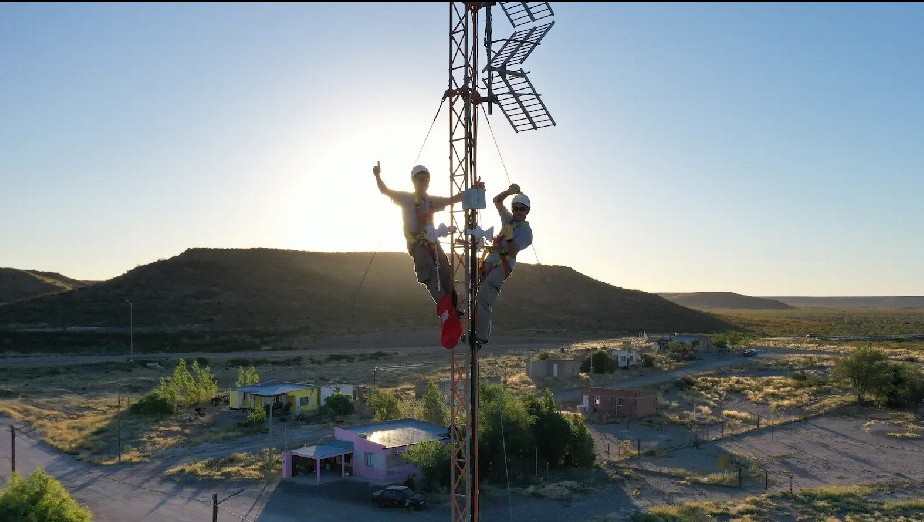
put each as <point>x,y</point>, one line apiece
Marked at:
<point>506,234</point>
<point>423,219</point>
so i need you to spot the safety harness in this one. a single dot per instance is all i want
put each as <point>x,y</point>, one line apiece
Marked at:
<point>499,247</point>
<point>423,219</point>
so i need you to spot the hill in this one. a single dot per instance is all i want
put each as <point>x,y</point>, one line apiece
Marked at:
<point>17,285</point>
<point>236,298</point>
<point>883,302</point>
<point>725,300</point>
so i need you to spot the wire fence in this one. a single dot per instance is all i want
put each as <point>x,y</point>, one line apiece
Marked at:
<point>634,449</point>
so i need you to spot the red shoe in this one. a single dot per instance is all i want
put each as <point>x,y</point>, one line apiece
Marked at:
<point>452,326</point>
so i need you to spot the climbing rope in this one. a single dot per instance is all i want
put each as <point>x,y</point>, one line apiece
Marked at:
<point>419,152</point>
<point>437,115</point>
<point>496,146</point>
<point>501,156</point>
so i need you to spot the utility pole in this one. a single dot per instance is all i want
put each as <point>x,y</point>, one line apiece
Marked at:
<point>13,447</point>
<point>131,330</point>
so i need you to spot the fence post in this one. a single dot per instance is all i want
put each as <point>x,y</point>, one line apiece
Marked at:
<point>13,447</point>
<point>723,430</point>
<point>790,486</point>
<point>639,447</point>
<point>766,479</point>
<point>739,476</point>
<point>758,421</point>
<point>119,422</point>
<point>214,507</point>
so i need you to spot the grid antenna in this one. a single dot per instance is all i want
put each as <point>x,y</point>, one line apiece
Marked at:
<point>510,88</point>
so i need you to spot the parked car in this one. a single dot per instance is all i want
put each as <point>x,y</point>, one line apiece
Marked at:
<point>750,352</point>
<point>401,496</point>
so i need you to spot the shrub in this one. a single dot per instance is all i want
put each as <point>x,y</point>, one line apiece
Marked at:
<point>154,403</point>
<point>433,459</point>
<point>256,417</point>
<point>39,497</point>
<point>338,404</point>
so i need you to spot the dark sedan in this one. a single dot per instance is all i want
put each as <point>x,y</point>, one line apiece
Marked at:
<point>401,496</point>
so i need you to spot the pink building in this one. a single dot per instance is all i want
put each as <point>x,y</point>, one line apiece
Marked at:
<point>372,451</point>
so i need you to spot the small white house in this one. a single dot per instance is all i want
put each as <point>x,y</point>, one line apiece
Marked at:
<point>625,358</point>
<point>333,389</point>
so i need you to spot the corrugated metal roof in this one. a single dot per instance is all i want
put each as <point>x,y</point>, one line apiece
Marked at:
<point>398,433</point>
<point>269,388</point>
<point>325,450</point>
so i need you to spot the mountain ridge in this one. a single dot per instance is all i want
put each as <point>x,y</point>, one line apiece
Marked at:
<point>288,293</point>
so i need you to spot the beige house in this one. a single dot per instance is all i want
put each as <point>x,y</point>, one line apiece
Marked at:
<point>555,368</point>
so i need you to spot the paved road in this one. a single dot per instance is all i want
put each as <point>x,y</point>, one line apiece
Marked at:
<point>136,492</point>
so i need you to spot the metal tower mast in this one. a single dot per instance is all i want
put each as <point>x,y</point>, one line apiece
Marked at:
<point>463,139</point>
<point>515,95</point>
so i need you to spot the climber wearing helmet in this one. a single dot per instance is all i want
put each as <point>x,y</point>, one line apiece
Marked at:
<point>430,262</point>
<point>496,267</point>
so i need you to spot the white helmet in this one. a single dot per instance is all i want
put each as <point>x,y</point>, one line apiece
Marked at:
<point>419,169</point>
<point>522,199</point>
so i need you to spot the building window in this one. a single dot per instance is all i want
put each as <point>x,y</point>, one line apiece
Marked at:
<point>596,401</point>
<point>370,460</point>
<point>619,402</point>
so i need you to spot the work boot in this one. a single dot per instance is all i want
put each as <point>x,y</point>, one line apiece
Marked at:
<point>478,342</point>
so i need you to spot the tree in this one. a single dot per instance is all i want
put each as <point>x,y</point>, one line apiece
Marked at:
<point>339,404</point>
<point>505,429</point>
<point>39,498</point>
<point>865,368</point>
<point>600,361</point>
<point>187,388</point>
<point>434,405</point>
<point>432,457</point>
<point>580,450</point>
<point>385,404</point>
<point>730,339</point>
<point>246,377</point>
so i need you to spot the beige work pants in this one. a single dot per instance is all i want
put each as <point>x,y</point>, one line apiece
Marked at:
<point>437,283</point>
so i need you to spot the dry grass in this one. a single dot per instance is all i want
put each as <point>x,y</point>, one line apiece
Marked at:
<point>240,466</point>
<point>563,490</point>
<point>851,503</point>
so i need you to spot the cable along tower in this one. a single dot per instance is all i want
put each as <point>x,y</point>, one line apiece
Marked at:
<point>503,83</point>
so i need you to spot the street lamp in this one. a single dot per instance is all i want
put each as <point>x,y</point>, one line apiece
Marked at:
<point>131,330</point>
<point>375,369</point>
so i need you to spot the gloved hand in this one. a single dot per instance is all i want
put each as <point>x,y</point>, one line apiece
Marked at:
<point>377,169</point>
<point>514,189</point>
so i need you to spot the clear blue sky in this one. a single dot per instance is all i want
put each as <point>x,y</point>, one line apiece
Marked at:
<point>764,149</point>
